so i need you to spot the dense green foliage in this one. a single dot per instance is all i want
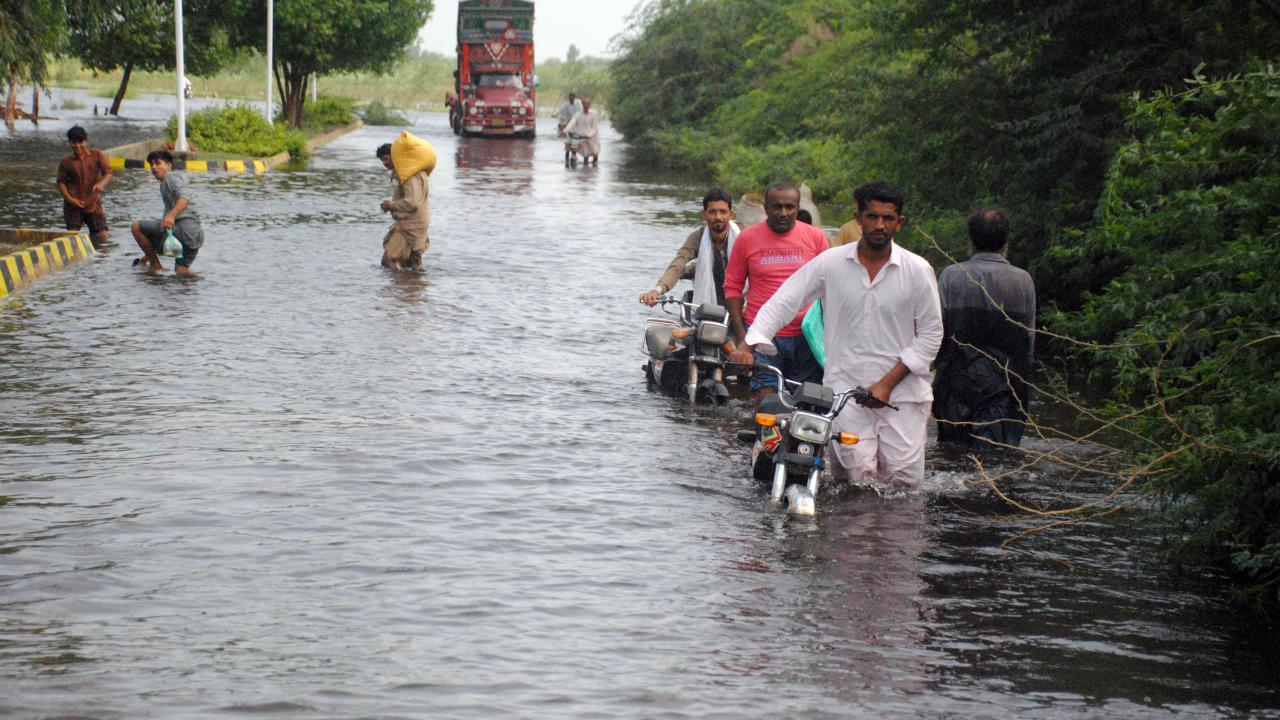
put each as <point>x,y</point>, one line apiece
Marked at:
<point>1188,243</point>
<point>326,37</point>
<point>239,129</point>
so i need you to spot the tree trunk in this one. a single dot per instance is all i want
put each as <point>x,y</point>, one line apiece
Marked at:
<point>124,85</point>
<point>35,104</point>
<point>11,105</point>
<point>295,93</point>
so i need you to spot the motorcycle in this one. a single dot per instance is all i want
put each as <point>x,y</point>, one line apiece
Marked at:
<point>687,353</point>
<point>789,442</point>
<point>572,148</point>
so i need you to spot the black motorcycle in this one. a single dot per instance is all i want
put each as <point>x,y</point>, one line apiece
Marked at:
<point>793,427</point>
<point>686,351</point>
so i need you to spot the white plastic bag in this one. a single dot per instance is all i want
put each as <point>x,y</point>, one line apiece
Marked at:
<point>172,247</point>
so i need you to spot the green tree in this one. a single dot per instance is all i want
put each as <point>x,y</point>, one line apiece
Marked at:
<point>139,35</point>
<point>29,33</point>
<point>327,37</point>
<point>1187,321</point>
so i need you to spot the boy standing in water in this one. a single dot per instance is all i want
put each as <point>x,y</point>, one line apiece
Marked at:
<point>82,176</point>
<point>179,216</point>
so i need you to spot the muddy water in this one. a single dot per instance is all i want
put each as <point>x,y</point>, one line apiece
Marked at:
<point>300,486</point>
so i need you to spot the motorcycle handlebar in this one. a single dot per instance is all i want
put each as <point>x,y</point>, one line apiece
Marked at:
<point>858,394</point>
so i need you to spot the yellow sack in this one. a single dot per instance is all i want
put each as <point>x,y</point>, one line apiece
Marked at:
<point>411,155</point>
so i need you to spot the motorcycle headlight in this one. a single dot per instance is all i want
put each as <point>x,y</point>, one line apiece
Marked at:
<point>712,333</point>
<point>810,428</point>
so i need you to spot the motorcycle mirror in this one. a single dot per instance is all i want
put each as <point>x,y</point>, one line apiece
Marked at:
<point>848,438</point>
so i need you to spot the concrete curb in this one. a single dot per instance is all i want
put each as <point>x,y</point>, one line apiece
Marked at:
<point>117,155</point>
<point>20,269</point>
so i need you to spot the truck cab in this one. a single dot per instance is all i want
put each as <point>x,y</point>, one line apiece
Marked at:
<point>495,90</point>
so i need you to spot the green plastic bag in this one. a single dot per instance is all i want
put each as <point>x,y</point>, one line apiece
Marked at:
<point>811,326</point>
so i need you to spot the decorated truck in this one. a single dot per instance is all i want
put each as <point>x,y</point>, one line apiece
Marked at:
<point>494,83</point>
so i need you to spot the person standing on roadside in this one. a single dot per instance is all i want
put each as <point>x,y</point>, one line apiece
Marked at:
<point>765,255</point>
<point>882,327</point>
<point>82,177</point>
<point>180,217</point>
<point>710,245</point>
<point>981,389</point>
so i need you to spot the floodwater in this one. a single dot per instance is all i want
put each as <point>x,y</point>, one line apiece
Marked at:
<point>299,486</point>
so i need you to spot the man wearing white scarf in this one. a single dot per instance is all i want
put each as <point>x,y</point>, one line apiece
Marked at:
<point>710,245</point>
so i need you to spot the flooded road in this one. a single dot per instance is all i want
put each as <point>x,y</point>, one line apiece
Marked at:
<point>300,486</point>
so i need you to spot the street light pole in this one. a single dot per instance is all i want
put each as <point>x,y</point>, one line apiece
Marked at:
<point>181,144</point>
<point>270,32</point>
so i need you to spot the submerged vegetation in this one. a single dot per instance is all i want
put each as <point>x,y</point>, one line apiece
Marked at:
<point>1133,144</point>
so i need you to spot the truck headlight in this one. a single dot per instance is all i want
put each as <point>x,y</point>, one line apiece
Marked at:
<point>809,427</point>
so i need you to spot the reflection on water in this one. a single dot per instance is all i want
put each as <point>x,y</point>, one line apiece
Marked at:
<point>298,483</point>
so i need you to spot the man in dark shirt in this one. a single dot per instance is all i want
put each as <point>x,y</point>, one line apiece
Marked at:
<point>82,176</point>
<point>989,318</point>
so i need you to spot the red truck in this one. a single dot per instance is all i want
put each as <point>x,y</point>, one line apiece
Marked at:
<point>494,83</point>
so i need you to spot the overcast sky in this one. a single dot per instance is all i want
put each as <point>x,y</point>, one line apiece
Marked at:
<point>557,24</point>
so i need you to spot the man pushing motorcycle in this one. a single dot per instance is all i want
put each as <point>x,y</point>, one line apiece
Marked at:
<point>882,329</point>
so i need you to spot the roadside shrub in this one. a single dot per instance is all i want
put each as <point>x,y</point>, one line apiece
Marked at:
<point>327,113</point>
<point>378,113</point>
<point>238,129</point>
<point>1186,322</point>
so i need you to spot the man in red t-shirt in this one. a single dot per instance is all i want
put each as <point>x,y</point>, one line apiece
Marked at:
<point>82,176</point>
<point>764,256</point>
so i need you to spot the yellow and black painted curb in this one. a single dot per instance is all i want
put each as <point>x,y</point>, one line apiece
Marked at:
<point>20,269</point>
<point>253,165</point>
<point>126,156</point>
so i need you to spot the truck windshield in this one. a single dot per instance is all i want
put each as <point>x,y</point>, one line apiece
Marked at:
<point>498,81</point>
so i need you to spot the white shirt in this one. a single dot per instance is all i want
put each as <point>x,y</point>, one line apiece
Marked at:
<point>868,326</point>
<point>585,123</point>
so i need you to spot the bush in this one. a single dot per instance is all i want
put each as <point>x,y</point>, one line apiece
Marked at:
<point>239,129</point>
<point>377,113</point>
<point>1187,319</point>
<point>327,113</point>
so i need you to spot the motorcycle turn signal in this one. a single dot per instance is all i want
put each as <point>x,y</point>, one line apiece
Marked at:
<point>766,419</point>
<point>848,438</point>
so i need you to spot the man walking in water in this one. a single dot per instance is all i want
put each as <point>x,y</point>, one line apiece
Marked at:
<point>586,125</point>
<point>412,160</point>
<point>765,255</point>
<point>883,326</point>
<point>710,246</point>
<point>180,217</point>
<point>989,320</point>
<point>82,177</point>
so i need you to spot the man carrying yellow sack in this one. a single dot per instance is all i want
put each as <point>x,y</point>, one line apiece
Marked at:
<point>412,160</point>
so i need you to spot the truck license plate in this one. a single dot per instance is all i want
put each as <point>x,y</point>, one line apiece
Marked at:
<point>499,122</point>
